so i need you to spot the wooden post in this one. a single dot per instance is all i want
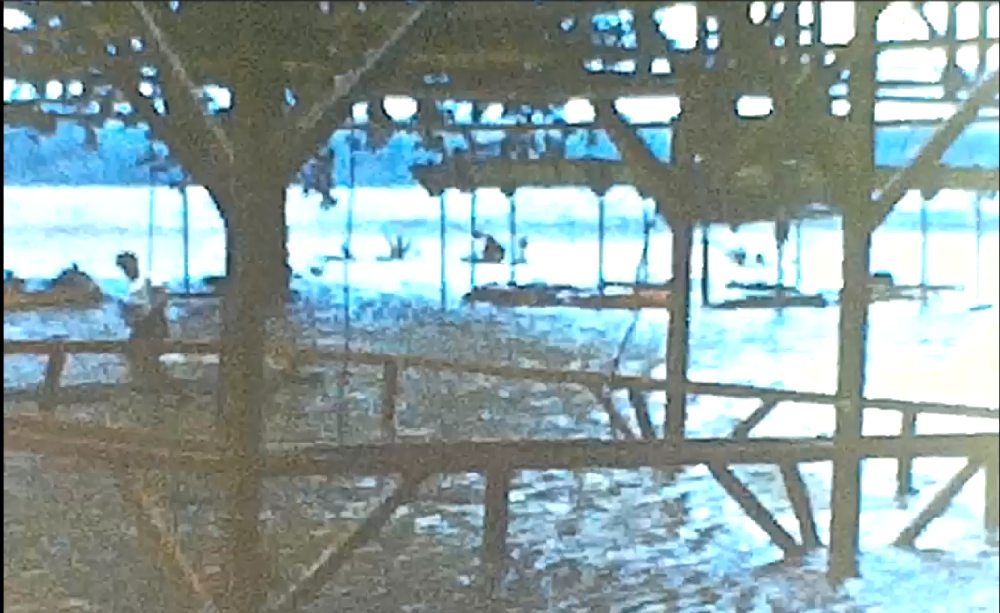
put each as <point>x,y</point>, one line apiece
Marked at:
<point>511,257</point>
<point>904,470</point>
<point>600,243</point>
<point>979,246</point>
<point>444,281</point>
<point>186,214</point>
<point>494,554</point>
<point>53,375</point>
<point>679,331</point>
<point>798,253</point>
<point>472,241</point>
<point>704,264</point>
<point>151,223</point>
<point>991,511</point>
<point>390,389</point>
<point>853,328</point>
<point>924,231</point>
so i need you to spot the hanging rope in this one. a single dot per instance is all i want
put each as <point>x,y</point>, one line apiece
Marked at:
<point>344,379</point>
<point>635,398</point>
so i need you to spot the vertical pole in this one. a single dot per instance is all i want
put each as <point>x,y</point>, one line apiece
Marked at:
<point>704,264</point>
<point>390,389</point>
<point>513,238</point>
<point>472,242</point>
<point>53,375</point>
<point>186,213</point>
<point>858,181</point>
<point>798,253</point>
<point>979,245</point>
<point>151,216</point>
<point>496,518</point>
<point>904,469</point>
<point>924,231</point>
<point>444,282</point>
<point>600,242</point>
<point>991,513</point>
<point>679,331</point>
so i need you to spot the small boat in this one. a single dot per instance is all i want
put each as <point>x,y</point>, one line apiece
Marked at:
<point>72,288</point>
<point>540,295</point>
<point>770,296</point>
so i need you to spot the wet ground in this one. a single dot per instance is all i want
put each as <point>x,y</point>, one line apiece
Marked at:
<point>579,541</point>
<point>586,540</point>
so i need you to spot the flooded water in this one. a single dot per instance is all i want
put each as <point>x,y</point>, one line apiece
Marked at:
<point>597,540</point>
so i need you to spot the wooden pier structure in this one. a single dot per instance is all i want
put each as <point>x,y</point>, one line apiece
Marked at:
<point>716,173</point>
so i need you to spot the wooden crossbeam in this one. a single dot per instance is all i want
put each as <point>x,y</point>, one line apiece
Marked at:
<point>939,504</point>
<point>162,548</point>
<point>754,509</point>
<point>542,375</point>
<point>617,422</point>
<point>335,556</point>
<point>929,156</point>
<point>477,456</point>
<point>795,487</point>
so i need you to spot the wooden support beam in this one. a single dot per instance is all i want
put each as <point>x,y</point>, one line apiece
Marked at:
<point>991,510</point>
<point>679,331</point>
<point>390,389</point>
<point>857,180</point>
<point>335,556</point>
<point>798,496</point>
<point>53,375</point>
<point>754,509</point>
<point>742,429</point>
<point>930,154</point>
<point>162,549</point>
<point>476,456</point>
<point>122,455</point>
<point>495,523</point>
<point>615,420</point>
<point>705,301</point>
<point>939,504</point>
<point>544,375</point>
<point>904,470</point>
<point>795,487</point>
<point>48,426</point>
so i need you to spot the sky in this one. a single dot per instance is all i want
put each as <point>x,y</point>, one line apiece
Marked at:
<point>678,21</point>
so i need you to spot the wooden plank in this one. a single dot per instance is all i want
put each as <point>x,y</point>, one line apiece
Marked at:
<point>120,455</point>
<point>939,504</point>
<point>335,556</point>
<point>495,523</point>
<point>754,509</point>
<point>477,456</point>
<point>544,375</point>
<point>42,425</point>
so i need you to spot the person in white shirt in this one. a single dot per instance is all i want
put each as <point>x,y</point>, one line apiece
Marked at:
<point>144,312</point>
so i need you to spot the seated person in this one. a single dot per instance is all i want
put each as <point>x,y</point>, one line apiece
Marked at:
<point>145,314</point>
<point>493,251</point>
